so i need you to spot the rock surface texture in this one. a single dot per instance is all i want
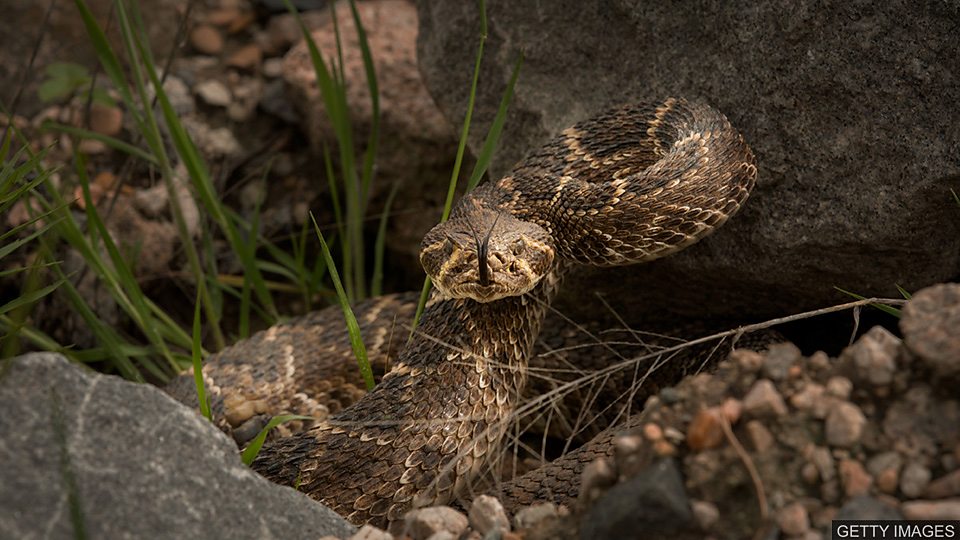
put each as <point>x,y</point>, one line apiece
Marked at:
<point>844,106</point>
<point>95,456</point>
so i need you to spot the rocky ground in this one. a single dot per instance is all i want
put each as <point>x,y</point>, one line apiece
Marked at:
<point>770,445</point>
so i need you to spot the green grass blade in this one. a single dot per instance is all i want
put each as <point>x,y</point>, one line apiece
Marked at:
<point>882,307</point>
<point>112,142</point>
<point>356,341</point>
<point>496,128</point>
<point>338,217</point>
<point>111,342</point>
<point>29,298</point>
<point>7,272</point>
<point>253,449</point>
<point>204,186</point>
<point>12,174</point>
<point>109,61</point>
<point>20,311</point>
<point>956,197</point>
<point>380,245</point>
<point>39,339</point>
<point>10,247</point>
<point>127,282</point>
<point>461,150</point>
<point>334,98</point>
<point>195,356</point>
<point>904,293</point>
<point>141,62</point>
<point>374,139</point>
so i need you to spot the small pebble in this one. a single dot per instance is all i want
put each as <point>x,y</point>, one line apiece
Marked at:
<point>885,468</point>
<point>868,508</point>
<point>529,516</point>
<point>947,485</point>
<point>487,515</point>
<point>179,95</point>
<point>779,359</point>
<point>705,513</point>
<point>944,509</point>
<point>929,325</point>
<point>823,461</point>
<point>247,57</point>
<point>206,39</point>
<point>819,361</point>
<point>884,461</point>
<point>763,399</point>
<point>793,519</point>
<point>760,437</point>
<point>598,475</point>
<point>369,532</point>
<point>421,523</point>
<point>810,473</point>
<point>874,356</point>
<point>844,425</point>
<point>214,93</point>
<point>674,435</point>
<point>223,17</point>
<point>887,481</point>
<point>664,448</point>
<point>105,119</point>
<point>839,387</point>
<point>856,480</point>
<point>732,409</point>
<point>830,491</point>
<point>808,398</point>
<point>652,431</point>
<point>749,361</point>
<point>272,67</point>
<point>914,479</point>
<point>628,455</point>
<point>625,446</point>
<point>705,430</point>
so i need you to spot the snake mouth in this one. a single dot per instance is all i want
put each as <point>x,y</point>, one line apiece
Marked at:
<point>490,292</point>
<point>499,273</point>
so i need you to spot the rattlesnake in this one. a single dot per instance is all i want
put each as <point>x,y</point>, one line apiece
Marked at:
<point>630,185</point>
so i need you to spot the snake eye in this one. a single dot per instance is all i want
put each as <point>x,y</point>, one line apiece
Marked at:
<point>517,246</point>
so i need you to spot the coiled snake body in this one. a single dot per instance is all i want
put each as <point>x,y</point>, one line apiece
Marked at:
<point>628,186</point>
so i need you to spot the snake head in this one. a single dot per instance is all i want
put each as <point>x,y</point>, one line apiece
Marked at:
<point>485,254</point>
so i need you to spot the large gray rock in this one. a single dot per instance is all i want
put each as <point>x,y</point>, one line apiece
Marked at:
<point>93,454</point>
<point>849,107</point>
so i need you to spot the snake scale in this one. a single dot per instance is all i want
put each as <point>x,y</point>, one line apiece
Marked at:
<point>630,185</point>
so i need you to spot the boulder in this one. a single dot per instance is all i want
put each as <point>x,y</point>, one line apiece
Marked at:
<point>848,108</point>
<point>88,455</point>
